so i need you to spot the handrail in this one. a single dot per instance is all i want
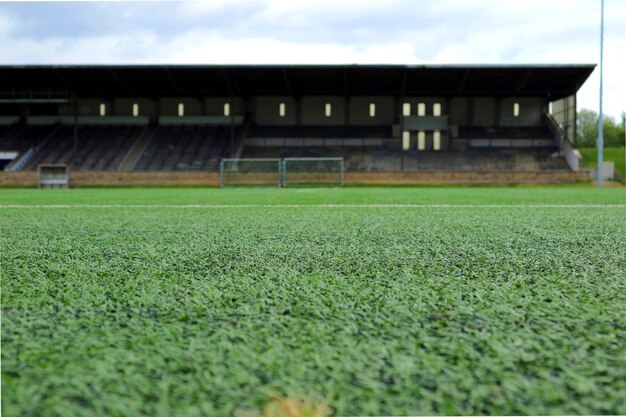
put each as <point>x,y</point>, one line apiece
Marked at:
<point>556,130</point>
<point>24,96</point>
<point>241,136</point>
<point>21,161</point>
<point>136,149</point>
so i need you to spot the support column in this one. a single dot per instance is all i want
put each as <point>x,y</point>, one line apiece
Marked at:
<point>497,111</point>
<point>574,140</point>
<point>346,116</point>
<point>75,132</point>
<point>154,119</point>
<point>232,125</point>
<point>446,112</point>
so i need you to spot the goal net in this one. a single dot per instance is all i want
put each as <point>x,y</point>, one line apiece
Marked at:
<point>250,172</point>
<point>313,172</point>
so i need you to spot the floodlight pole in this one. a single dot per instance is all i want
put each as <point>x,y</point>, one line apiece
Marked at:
<point>600,115</point>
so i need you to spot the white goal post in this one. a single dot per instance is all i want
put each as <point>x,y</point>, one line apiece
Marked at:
<point>250,172</point>
<point>275,172</point>
<point>313,172</point>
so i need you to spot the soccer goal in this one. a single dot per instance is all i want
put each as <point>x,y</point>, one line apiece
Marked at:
<point>250,172</point>
<point>313,172</point>
<point>53,176</point>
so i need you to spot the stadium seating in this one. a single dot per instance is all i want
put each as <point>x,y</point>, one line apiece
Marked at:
<point>185,148</point>
<point>20,137</point>
<point>359,159</point>
<point>504,132</point>
<point>315,136</point>
<point>8,140</point>
<point>99,148</point>
<point>298,132</point>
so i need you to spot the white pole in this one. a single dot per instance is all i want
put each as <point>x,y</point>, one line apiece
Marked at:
<point>600,116</point>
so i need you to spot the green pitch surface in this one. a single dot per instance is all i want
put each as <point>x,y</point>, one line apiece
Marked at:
<point>392,300</point>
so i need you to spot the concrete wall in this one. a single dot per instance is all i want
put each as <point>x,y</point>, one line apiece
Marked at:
<point>359,113</point>
<point>115,107</point>
<point>484,111</point>
<point>489,111</point>
<point>215,106</point>
<point>86,107</point>
<point>428,101</point>
<point>531,110</point>
<point>124,107</point>
<point>192,107</point>
<point>458,111</point>
<point>313,110</point>
<point>265,110</point>
<point>310,110</point>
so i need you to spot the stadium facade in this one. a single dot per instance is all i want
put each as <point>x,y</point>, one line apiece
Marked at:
<point>379,118</point>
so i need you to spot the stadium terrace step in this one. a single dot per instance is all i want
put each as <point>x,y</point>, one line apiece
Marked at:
<point>184,148</point>
<point>378,159</point>
<point>98,148</point>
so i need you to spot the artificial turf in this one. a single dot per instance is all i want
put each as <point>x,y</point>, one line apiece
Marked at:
<point>192,311</point>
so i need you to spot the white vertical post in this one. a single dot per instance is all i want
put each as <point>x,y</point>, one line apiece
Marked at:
<point>282,171</point>
<point>222,173</point>
<point>342,173</point>
<point>600,115</point>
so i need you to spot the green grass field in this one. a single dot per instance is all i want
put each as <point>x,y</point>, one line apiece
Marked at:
<point>391,300</point>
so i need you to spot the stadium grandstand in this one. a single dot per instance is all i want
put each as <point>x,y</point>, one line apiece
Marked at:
<point>380,118</point>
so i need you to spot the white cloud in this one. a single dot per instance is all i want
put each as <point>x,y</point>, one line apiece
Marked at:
<point>334,32</point>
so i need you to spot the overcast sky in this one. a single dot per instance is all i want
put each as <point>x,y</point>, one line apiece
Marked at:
<point>323,31</point>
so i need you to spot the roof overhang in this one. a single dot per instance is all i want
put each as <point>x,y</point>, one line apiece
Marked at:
<point>551,81</point>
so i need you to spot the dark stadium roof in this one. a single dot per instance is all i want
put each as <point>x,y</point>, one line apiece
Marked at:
<point>554,81</point>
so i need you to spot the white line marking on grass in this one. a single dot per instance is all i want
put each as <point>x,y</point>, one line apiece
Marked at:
<point>332,206</point>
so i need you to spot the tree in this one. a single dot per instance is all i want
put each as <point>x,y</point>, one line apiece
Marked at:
<point>587,130</point>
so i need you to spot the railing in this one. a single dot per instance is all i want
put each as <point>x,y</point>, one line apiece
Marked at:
<point>558,133</point>
<point>240,140</point>
<point>20,161</point>
<point>25,158</point>
<point>34,96</point>
<point>571,154</point>
<point>147,137</point>
<point>316,142</point>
